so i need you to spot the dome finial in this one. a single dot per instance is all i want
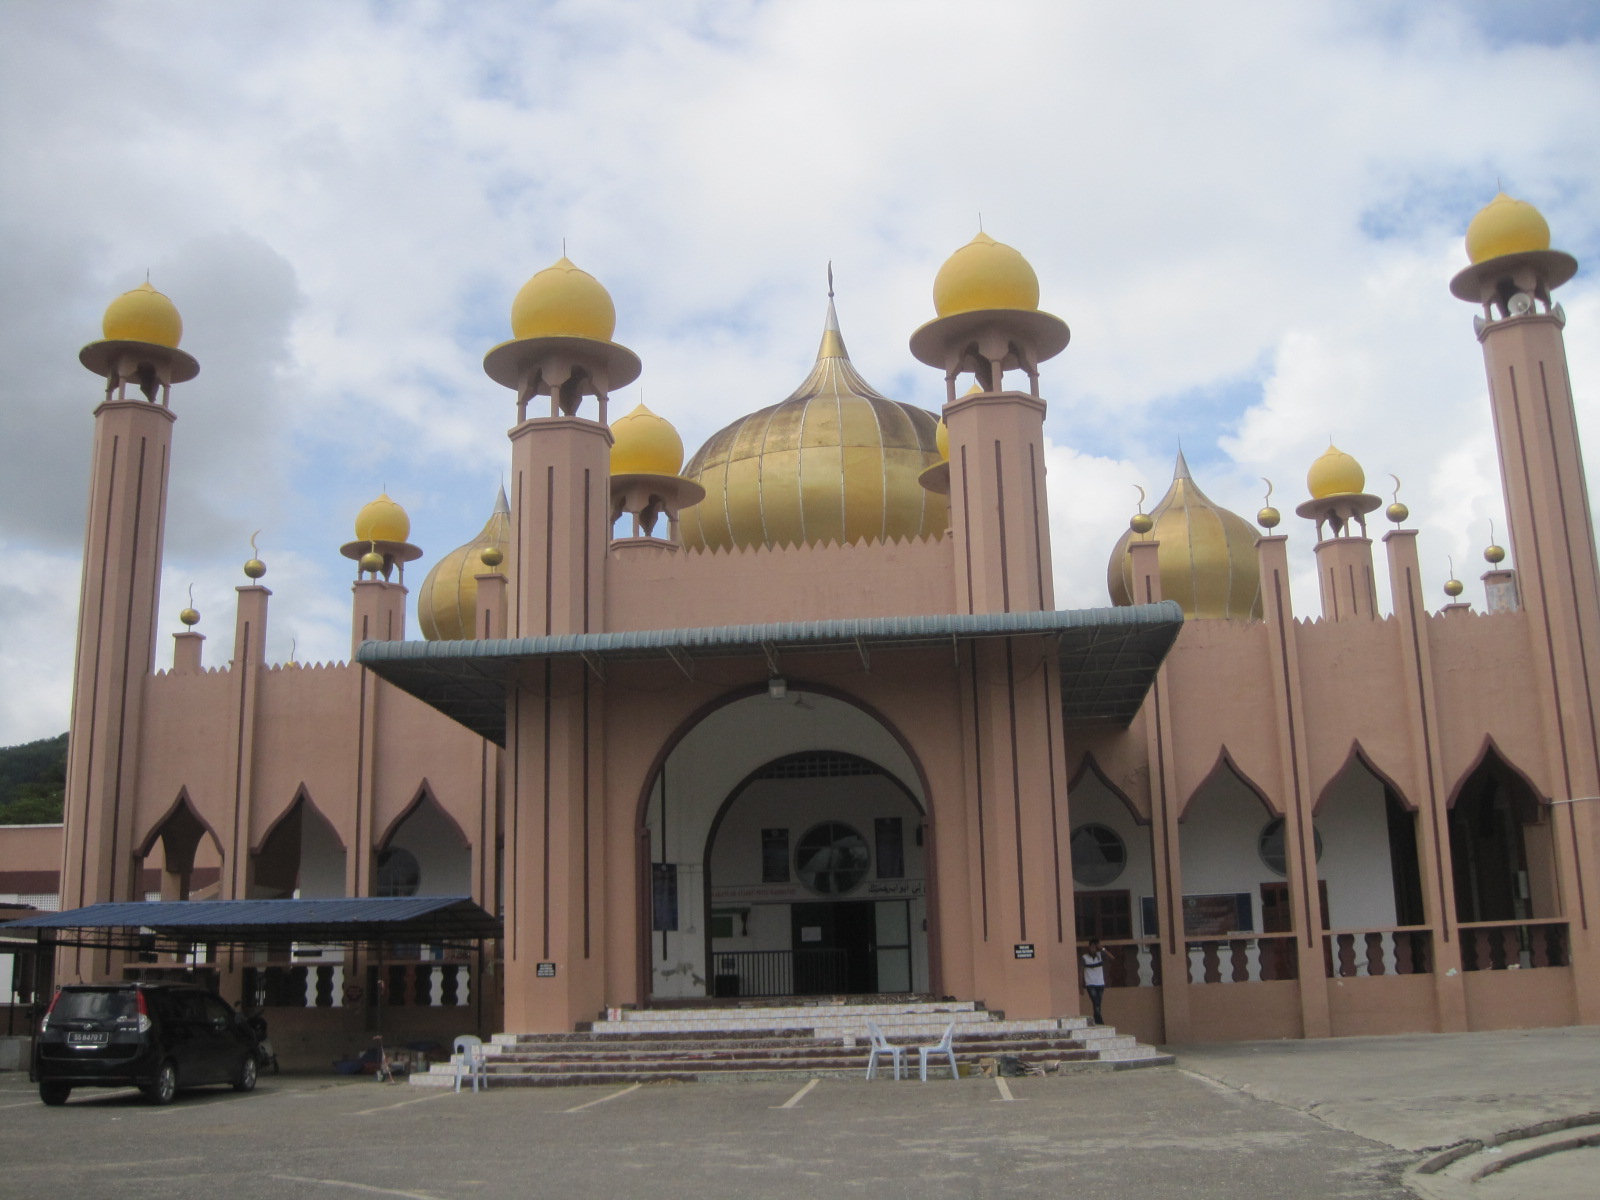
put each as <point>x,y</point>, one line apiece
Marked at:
<point>1396,512</point>
<point>1139,522</point>
<point>191,615</point>
<point>1493,554</point>
<point>830,279</point>
<point>1453,587</point>
<point>1268,517</point>
<point>254,568</point>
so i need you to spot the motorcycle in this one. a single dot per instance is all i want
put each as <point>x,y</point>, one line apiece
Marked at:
<point>266,1056</point>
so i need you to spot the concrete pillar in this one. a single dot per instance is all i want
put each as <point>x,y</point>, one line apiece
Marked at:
<point>1344,574</point>
<point>1433,817</point>
<point>377,612</point>
<point>186,653</point>
<point>1294,786</point>
<point>116,652</point>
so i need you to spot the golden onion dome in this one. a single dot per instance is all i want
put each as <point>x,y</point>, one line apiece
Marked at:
<point>447,603</point>
<point>143,315</point>
<point>563,301</point>
<point>1506,226</point>
<point>645,444</point>
<point>1207,555</point>
<point>835,462</point>
<point>382,520</point>
<point>984,274</point>
<point>941,439</point>
<point>1335,473</point>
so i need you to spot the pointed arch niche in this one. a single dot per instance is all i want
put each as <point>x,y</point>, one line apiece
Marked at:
<point>300,856</point>
<point>1369,865</point>
<point>1500,844</point>
<point>1113,862</point>
<point>190,863</point>
<point>1220,836</point>
<point>424,853</point>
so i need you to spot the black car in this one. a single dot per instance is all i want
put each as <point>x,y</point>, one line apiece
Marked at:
<point>157,1037</point>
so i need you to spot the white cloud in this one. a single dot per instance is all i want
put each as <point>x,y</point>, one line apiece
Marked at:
<point>1247,213</point>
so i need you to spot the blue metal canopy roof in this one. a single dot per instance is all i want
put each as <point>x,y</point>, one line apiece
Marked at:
<point>249,922</point>
<point>1109,656</point>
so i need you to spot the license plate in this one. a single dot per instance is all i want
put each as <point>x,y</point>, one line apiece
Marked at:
<point>88,1039</point>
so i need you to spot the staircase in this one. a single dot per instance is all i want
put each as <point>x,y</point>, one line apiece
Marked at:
<point>767,1041</point>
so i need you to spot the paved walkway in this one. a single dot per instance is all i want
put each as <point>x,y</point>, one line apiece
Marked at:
<point>1429,1092</point>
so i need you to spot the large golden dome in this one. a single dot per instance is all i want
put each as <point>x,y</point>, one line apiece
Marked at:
<point>1506,226</point>
<point>447,603</point>
<point>985,274</point>
<point>143,315</point>
<point>1207,557</point>
<point>835,462</point>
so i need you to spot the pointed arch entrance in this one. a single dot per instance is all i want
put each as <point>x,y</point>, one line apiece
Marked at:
<point>788,851</point>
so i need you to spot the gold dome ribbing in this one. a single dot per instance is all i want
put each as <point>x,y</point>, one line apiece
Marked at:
<point>835,462</point>
<point>1207,556</point>
<point>447,603</point>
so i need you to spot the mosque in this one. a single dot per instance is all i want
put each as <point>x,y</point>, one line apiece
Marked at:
<point>801,717</point>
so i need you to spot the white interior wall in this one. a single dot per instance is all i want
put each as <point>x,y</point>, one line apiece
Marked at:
<point>1092,803</point>
<point>1354,824</point>
<point>444,858</point>
<point>321,858</point>
<point>713,758</point>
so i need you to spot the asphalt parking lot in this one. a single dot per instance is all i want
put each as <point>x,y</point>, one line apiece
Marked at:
<point>1331,1118</point>
<point>1152,1134</point>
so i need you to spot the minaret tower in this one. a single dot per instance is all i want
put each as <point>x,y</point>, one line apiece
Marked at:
<point>987,299</point>
<point>1344,556</point>
<point>1512,276</point>
<point>121,584</point>
<point>561,508</point>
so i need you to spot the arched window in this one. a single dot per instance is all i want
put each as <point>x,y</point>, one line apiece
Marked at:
<point>832,858</point>
<point>1098,855</point>
<point>399,873</point>
<point>1270,846</point>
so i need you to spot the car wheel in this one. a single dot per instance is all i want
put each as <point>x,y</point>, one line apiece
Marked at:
<point>245,1079</point>
<point>54,1094</point>
<point>165,1088</point>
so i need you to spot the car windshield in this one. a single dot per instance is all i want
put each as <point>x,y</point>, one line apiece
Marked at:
<point>95,1006</point>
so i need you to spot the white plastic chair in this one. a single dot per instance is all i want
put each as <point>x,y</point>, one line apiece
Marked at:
<point>467,1055</point>
<point>942,1046</point>
<point>881,1045</point>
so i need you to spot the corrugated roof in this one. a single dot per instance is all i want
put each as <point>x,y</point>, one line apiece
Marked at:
<point>251,922</point>
<point>1109,656</point>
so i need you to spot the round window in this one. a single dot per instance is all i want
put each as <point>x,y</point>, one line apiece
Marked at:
<point>1098,855</point>
<point>831,858</point>
<point>399,873</point>
<point>1270,845</point>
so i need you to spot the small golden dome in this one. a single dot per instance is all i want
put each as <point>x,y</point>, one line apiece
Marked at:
<point>835,462</point>
<point>1506,226</point>
<point>563,301</point>
<point>370,562</point>
<point>190,617</point>
<point>1335,473</point>
<point>254,568</point>
<point>1268,517</point>
<point>382,520</point>
<point>491,556</point>
<point>1397,513</point>
<point>447,601</point>
<point>984,274</point>
<point>1207,556</point>
<point>1453,588</point>
<point>1141,523</point>
<point>1494,555</point>
<point>941,439</point>
<point>143,315</point>
<point>645,444</point>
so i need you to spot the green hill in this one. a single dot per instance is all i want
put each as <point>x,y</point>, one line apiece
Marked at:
<point>33,782</point>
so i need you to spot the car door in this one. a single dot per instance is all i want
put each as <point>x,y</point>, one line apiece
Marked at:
<point>184,1034</point>
<point>224,1048</point>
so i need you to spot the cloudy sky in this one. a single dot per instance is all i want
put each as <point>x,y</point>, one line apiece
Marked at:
<point>1248,214</point>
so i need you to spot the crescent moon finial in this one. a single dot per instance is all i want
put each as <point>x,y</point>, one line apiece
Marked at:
<point>191,586</point>
<point>253,537</point>
<point>1396,496</point>
<point>1268,482</point>
<point>1140,490</point>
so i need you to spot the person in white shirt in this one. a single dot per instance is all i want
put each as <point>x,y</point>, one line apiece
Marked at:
<point>1094,975</point>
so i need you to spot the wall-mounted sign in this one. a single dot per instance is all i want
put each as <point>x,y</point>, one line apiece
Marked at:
<point>546,971</point>
<point>1024,950</point>
<point>788,893</point>
<point>811,933</point>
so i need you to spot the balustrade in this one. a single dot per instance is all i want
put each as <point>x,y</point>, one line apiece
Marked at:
<point>1402,950</point>
<point>1509,947</point>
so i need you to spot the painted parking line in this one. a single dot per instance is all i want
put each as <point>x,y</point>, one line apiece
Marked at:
<point>20,1104</point>
<point>630,1088</point>
<point>367,1112</point>
<point>798,1096</point>
<point>1005,1090</point>
<point>359,1187</point>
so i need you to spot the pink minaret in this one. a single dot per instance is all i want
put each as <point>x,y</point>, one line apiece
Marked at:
<point>121,585</point>
<point>1512,276</point>
<point>987,299</point>
<point>562,321</point>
